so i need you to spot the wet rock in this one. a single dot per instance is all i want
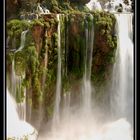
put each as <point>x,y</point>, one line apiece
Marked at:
<point>37,33</point>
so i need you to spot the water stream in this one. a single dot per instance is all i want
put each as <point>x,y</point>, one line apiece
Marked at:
<point>86,86</point>
<point>56,116</point>
<point>74,125</point>
<point>17,80</point>
<point>81,123</point>
<point>17,127</point>
<point>22,44</point>
<point>122,84</point>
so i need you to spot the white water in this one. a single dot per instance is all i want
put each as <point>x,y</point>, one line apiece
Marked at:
<point>41,10</point>
<point>94,5</point>
<point>16,128</point>
<point>74,125</point>
<point>22,44</point>
<point>56,115</point>
<point>122,84</point>
<point>66,105</point>
<point>16,81</point>
<point>15,84</point>
<point>113,5</point>
<point>86,86</point>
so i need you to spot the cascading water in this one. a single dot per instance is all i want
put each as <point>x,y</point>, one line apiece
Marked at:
<point>17,80</point>
<point>94,5</point>
<point>74,125</point>
<point>41,10</point>
<point>122,84</point>
<point>66,106</point>
<point>23,37</point>
<point>118,5</point>
<point>86,86</point>
<point>16,91</point>
<point>16,128</point>
<point>56,115</point>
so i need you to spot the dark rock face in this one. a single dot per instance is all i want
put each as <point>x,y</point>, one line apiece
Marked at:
<point>12,7</point>
<point>80,1</point>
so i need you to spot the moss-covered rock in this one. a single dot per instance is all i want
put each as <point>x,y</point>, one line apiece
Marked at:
<point>38,59</point>
<point>104,46</point>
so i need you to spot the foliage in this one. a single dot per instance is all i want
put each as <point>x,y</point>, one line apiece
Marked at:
<point>73,43</point>
<point>15,27</point>
<point>105,46</point>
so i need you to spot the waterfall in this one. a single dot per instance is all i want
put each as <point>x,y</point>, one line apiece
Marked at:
<point>39,9</point>
<point>84,124</point>
<point>94,5</point>
<point>122,79</point>
<point>56,116</point>
<point>22,44</point>
<point>66,106</point>
<point>17,129</point>
<point>118,5</point>
<point>11,109</point>
<point>16,82</point>
<point>86,86</point>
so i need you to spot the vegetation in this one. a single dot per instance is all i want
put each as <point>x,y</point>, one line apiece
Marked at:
<point>104,46</point>
<point>38,59</point>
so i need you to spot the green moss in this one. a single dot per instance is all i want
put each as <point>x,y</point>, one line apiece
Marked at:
<point>73,42</point>
<point>105,44</point>
<point>15,27</point>
<point>37,22</point>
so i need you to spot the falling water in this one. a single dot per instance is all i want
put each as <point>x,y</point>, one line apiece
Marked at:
<point>122,85</point>
<point>41,10</point>
<point>16,112</point>
<point>16,81</point>
<point>22,44</point>
<point>74,125</point>
<point>16,89</point>
<point>15,84</point>
<point>86,86</point>
<point>16,128</point>
<point>115,5</point>
<point>94,5</point>
<point>56,115</point>
<point>66,106</point>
